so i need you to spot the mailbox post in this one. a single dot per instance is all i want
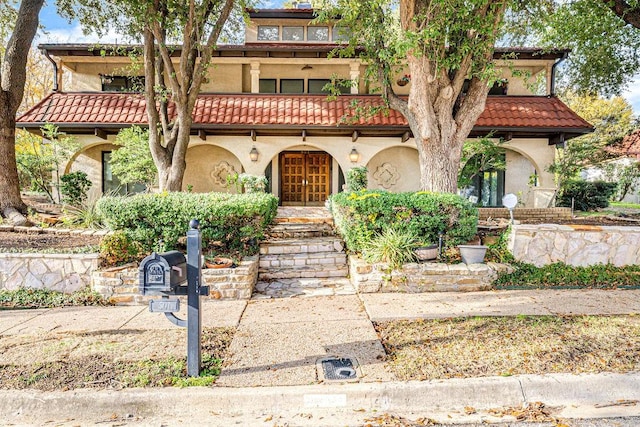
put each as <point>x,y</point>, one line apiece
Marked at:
<point>165,274</point>
<point>194,315</point>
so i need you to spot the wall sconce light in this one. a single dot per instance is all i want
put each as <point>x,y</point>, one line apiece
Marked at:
<point>354,156</point>
<point>253,154</point>
<point>307,67</point>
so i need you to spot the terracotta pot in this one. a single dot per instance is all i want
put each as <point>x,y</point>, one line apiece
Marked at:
<point>219,263</point>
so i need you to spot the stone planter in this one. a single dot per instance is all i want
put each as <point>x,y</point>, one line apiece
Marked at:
<point>426,253</point>
<point>472,254</point>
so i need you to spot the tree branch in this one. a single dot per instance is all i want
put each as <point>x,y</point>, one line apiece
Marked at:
<point>630,14</point>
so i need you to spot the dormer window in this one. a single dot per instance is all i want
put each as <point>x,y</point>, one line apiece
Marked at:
<point>293,34</point>
<point>269,33</point>
<point>318,34</point>
<point>122,83</point>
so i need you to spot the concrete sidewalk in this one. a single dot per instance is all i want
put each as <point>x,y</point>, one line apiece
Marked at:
<point>279,343</point>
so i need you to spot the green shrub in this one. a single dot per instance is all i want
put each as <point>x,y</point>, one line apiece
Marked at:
<point>233,222</point>
<point>392,246</point>
<point>74,188</point>
<point>562,276</point>
<point>361,216</point>
<point>587,196</point>
<point>357,178</point>
<point>118,248</point>
<point>44,298</point>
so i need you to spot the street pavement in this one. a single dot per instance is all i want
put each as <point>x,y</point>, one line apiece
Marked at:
<point>272,376</point>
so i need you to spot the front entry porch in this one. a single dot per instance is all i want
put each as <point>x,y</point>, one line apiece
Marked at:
<point>305,178</point>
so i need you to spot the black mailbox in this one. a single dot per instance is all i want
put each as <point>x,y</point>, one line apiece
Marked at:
<point>162,274</point>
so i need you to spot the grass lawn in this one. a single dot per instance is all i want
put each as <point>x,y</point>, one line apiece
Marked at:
<point>488,346</point>
<point>625,205</point>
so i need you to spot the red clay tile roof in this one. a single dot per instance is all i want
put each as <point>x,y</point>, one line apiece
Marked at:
<point>305,111</point>
<point>629,146</point>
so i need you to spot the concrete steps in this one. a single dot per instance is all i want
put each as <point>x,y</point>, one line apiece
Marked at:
<point>288,230</point>
<point>302,250</point>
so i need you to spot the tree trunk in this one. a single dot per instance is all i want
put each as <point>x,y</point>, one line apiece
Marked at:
<point>12,78</point>
<point>9,182</point>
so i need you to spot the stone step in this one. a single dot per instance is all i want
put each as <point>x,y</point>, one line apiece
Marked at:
<point>303,220</point>
<point>306,271</point>
<point>294,230</point>
<point>303,287</point>
<point>302,259</point>
<point>301,245</point>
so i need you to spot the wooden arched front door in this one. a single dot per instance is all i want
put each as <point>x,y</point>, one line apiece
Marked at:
<point>305,178</point>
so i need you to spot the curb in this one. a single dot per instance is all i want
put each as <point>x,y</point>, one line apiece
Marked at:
<point>415,397</point>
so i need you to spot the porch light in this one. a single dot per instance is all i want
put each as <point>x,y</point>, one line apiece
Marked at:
<point>354,156</point>
<point>253,154</point>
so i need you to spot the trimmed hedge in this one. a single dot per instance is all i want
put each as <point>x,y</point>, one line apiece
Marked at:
<point>587,195</point>
<point>362,215</point>
<point>236,221</point>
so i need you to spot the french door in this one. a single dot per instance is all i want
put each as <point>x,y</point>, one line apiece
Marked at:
<point>305,178</point>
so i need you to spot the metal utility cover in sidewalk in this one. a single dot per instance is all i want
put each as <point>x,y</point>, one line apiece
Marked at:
<point>338,368</point>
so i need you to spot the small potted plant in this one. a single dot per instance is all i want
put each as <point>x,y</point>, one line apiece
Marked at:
<point>217,262</point>
<point>404,80</point>
<point>472,254</point>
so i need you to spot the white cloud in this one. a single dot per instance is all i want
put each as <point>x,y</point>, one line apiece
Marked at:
<point>74,34</point>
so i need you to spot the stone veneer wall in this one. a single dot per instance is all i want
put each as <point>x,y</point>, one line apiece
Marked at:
<point>120,284</point>
<point>58,272</point>
<point>527,214</point>
<point>578,245</point>
<point>426,277</point>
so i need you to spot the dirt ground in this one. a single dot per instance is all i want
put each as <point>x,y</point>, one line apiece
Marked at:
<point>101,359</point>
<point>18,241</point>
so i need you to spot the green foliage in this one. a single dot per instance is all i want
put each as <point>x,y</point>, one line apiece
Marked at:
<point>119,248</point>
<point>86,215</point>
<point>74,188</point>
<point>562,276</point>
<point>626,174</point>
<point>393,246</point>
<point>479,155</point>
<point>357,178</point>
<point>605,52</point>
<point>39,162</point>
<point>586,195</point>
<point>232,221</point>
<point>248,183</point>
<point>44,298</point>
<point>363,215</point>
<point>132,162</point>
<point>612,120</point>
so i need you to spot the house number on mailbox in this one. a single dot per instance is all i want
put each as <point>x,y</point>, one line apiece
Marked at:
<point>155,274</point>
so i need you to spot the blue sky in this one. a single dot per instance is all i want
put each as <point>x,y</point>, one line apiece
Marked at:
<point>58,30</point>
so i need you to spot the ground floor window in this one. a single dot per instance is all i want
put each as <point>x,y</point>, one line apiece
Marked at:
<point>110,182</point>
<point>488,187</point>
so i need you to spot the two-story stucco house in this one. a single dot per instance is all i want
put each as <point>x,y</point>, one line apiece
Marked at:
<point>263,111</point>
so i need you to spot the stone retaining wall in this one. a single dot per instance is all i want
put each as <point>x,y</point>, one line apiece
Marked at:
<point>527,214</point>
<point>120,284</point>
<point>427,277</point>
<point>59,272</point>
<point>578,245</point>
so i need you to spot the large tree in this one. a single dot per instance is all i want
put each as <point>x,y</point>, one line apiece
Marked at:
<point>603,35</point>
<point>172,74</point>
<point>441,43</point>
<point>12,80</point>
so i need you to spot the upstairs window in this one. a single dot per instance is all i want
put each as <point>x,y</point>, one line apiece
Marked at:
<point>122,83</point>
<point>340,34</point>
<point>318,34</point>
<point>317,86</point>
<point>291,86</point>
<point>498,88</point>
<point>294,34</point>
<point>269,33</point>
<point>268,86</point>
